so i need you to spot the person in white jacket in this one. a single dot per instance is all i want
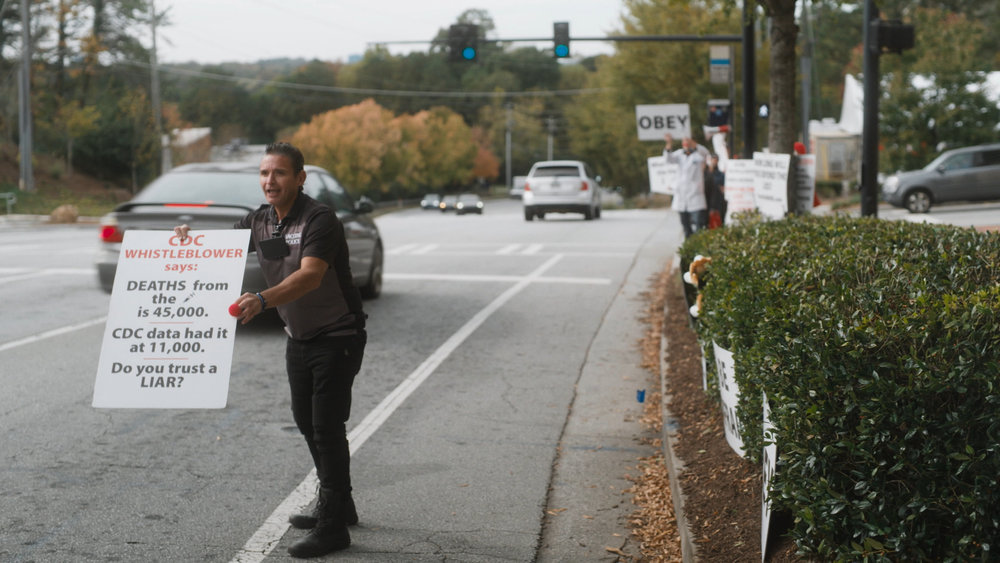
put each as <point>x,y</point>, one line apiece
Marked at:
<point>689,189</point>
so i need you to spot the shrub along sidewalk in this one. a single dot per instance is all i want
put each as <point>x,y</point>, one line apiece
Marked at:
<point>877,345</point>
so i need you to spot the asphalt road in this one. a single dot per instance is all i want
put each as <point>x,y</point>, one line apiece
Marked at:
<point>476,349</point>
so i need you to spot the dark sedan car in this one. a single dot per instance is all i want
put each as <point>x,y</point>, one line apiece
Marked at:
<point>469,203</point>
<point>215,195</point>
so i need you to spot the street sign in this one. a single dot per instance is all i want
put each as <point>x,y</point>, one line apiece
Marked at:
<point>719,57</point>
<point>655,121</point>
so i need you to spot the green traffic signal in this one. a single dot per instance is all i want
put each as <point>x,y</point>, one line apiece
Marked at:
<point>560,39</point>
<point>463,42</point>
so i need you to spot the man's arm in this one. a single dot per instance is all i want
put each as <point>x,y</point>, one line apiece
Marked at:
<point>307,278</point>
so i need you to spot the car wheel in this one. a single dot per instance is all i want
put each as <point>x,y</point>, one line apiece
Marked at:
<point>373,288</point>
<point>588,215</point>
<point>918,201</point>
<point>528,214</point>
<point>597,213</point>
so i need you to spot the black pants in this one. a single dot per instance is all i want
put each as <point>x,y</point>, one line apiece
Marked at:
<point>694,221</point>
<point>320,374</point>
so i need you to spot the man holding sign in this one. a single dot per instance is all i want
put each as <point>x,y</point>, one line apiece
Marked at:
<point>689,189</point>
<point>303,254</point>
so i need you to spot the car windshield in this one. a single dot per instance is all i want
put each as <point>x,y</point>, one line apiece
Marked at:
<point>232,188</point>
<point>556,171</point>
<point>468,198</point>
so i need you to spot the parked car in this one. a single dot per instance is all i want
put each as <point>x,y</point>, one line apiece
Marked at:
<point>966,174</point>
<point>469,203</point>
<point>517,187</point>
<point>215,195</point>
<point>430,201</point>
<point>448,203</point>
<point>561,186</point>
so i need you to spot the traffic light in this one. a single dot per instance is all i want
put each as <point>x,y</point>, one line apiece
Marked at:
<point>893,36</point>
<point>463,42</point>
<point>560,39</point>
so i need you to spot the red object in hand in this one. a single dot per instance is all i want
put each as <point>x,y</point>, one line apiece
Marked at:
<point>235,310</point>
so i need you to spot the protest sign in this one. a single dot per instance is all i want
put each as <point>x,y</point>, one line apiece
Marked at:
<point>168,342</point>
<point>729,396</point>
<point>771,183</point>
<point>805,182</point>
<point>662,175</point>
<point>739,187</point>
<point>656,120</point>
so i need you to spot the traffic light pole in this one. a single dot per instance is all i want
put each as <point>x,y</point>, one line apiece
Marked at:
<point>869,135</point>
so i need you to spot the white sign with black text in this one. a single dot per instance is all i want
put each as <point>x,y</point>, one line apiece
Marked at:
<point>655,121</point>
<point>805,182</point>
<point>729,394</point>
<point>771,183</point>
<point>662,175</point>
<point>168,342</point>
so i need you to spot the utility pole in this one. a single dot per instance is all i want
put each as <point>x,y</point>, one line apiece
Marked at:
<point>869,134</point>
<point>165,160</point>
<point>749,82</point>
<point>27,180</point>
<point>893,36</point>
<point>510,125</point>
<point>551,121</point>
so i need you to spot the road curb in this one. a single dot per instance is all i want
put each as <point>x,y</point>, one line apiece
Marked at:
<point>673,463</point>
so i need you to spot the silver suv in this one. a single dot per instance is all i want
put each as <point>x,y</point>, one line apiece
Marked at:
<point>964,174</point>
<point>561,186</point>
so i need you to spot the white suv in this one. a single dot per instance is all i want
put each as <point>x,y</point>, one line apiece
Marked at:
<point>561,186</point>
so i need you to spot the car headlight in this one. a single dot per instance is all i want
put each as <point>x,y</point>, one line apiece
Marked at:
<point>891,184</point>
<point>459,205</point>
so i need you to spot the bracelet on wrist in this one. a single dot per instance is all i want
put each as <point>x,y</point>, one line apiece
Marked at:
<point>263,302</point>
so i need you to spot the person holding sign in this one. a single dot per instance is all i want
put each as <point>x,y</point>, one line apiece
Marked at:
<point>303,254</point>
<point>689,189</point>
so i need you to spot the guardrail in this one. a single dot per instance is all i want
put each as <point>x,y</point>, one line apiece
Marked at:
<point>11,198</point>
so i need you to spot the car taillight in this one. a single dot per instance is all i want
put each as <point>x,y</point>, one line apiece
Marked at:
<point>584,186</point>
<point>111,233</point>
<point>527,187</point>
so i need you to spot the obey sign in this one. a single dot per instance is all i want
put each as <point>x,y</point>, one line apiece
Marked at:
<point>168,342</point>
<point>655,121</point>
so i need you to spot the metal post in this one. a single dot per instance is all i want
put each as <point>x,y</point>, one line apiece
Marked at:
<point>749,82</point>
<point>27,180</point>
<point>869,138</point>
<point>165,164</point>
<point>510,125</point>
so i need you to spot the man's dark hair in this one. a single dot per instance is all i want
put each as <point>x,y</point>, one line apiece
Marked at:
<point>289,150</point>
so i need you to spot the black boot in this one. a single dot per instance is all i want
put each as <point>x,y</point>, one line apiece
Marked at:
<point>304,521</point>
<point>330,533</point>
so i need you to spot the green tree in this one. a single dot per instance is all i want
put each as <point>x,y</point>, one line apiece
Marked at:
<point>935,96</point>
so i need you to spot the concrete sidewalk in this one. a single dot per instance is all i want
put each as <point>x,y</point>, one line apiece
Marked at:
<point>587,511</point>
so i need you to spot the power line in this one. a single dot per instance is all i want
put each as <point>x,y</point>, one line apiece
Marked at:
<point>369,91</point>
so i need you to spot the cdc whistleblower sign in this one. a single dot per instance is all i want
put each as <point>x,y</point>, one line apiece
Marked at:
<point>655,121</point>
<point>168,342</point>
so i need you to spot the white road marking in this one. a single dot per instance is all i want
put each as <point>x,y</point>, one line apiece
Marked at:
<point>18,274</point>
<point>486,278</point>
<point>425,249</point>
<point>51,333</point>
<point>509,249</point>
<point>270,533</point>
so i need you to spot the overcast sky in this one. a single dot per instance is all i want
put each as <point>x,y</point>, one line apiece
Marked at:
<point>214,31</point>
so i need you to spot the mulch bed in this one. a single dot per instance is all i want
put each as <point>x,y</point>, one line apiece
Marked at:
<point>722,491</point>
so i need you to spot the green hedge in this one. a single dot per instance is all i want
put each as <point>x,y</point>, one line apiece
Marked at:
<point>878,345</point>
